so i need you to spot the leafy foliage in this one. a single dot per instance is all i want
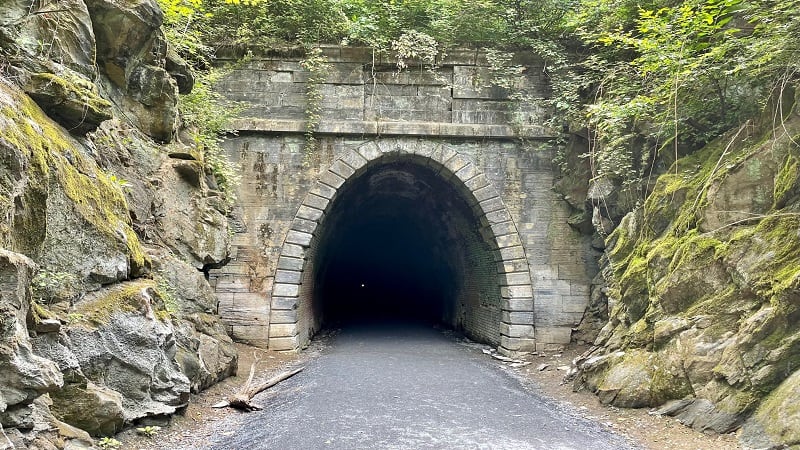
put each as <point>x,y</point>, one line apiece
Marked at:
<point>650,80</point>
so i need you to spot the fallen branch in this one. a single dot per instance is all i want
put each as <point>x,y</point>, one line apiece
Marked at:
<point>242,399</point>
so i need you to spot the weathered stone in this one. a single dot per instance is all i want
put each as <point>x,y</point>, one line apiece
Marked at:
<point>26,375</point>
<point>196,229</point>
<point>48,326</point>
<point>776,421</point>
<point>205,353</point>
<point>95,409</point>
<point>180,71</point>
<point>70,99</point>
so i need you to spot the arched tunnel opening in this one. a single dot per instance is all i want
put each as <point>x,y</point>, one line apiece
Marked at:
<point>401,243</point>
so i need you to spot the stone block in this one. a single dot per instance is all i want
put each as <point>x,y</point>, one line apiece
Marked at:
<point>426,149</point>
<point>331,179</point>
<point>282,344</point>
<point>517,304</point>
<point>522,292</point>
<point>553,335</point>
<point>508,240</point>
<point>467,172</point>
<point>284,303</point>
<point>293,250</point>
<point>511,266</point>
<point>503,229</point>
<point>316,201</point>
<point>369,151</point>
<point>286,290</point>
<point>413,77</point>
<point>299,238</point>
<point>498,216</point>
<point>288,276</point>
<point>518,279</point>
<point>323,190</point>
<point>574,303</point>
<point>283,317</point>
<point>289,263</point>
<point>517,317</point>
<point>309,213</point>
<point>277,330</point>
<point>304,225</point>
<point>477,182</point>
<point>491,205</point>
<point>387,91</point>
<point>519,331</point>
<point>354,160</point>
<point>341,169</point>
<point>456,163</point>
<point>485,193</point>
<point>509,253</point>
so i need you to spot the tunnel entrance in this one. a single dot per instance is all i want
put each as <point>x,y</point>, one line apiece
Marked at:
<point>401,243</point>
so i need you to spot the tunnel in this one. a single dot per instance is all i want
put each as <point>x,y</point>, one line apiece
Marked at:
<point>400,242</point>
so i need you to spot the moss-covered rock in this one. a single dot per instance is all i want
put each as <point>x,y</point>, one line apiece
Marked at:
<point>70,99</point>
<point>706,283</point>
<point>777,420</point>
<point>86,212</point>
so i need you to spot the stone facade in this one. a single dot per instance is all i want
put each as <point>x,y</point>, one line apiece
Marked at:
<point>525,278</point>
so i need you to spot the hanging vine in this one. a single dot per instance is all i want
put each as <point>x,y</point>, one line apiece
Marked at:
<point>316,64</point>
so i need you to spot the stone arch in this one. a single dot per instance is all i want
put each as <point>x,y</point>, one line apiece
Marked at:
<point>289,322</point>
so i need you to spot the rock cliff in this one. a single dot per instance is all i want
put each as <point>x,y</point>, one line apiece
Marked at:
<point>106,220</point>
<point>703,289</point>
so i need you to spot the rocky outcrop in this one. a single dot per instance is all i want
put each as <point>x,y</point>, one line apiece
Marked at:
<point>106,317</point>
<point>704,290</point>
<point>25,375</point>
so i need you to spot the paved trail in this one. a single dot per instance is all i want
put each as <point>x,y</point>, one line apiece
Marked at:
<point>393,387</point>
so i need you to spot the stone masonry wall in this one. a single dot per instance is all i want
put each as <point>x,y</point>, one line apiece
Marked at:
<point>366,101</point>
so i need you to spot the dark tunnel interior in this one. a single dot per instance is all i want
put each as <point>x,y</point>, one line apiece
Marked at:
<point>385,268</point>
<point>398,245</point>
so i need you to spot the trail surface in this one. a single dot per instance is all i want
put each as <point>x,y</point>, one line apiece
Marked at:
<point>407,387</point>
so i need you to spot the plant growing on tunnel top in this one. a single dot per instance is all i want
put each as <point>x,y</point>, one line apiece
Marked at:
<point>316,64</point>
<point>510,77</point>
<point>208,115</point>
<point>414,45</point>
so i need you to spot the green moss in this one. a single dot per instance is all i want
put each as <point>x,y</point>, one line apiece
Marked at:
<point>787,182</point>
<point>668,383</point>
<point>778,271</point>
<point>39,313</point>
<point>779,414</point>
<point>81,89</point>
<point>52,154</point>
<point>126,297</point>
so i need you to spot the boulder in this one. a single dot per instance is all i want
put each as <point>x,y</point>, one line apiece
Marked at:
<point>69,99</point>
<point>64,35</point>
<point>776,422</point>
<point>205,352</point>
<point>180,70</point>
<point>132,50</point>
<point>124,29</point>
<point>25,375</point>
<point>121,345</point>
<point>95,409</point>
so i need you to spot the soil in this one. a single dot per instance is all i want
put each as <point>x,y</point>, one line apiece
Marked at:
<point>650,431</point>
